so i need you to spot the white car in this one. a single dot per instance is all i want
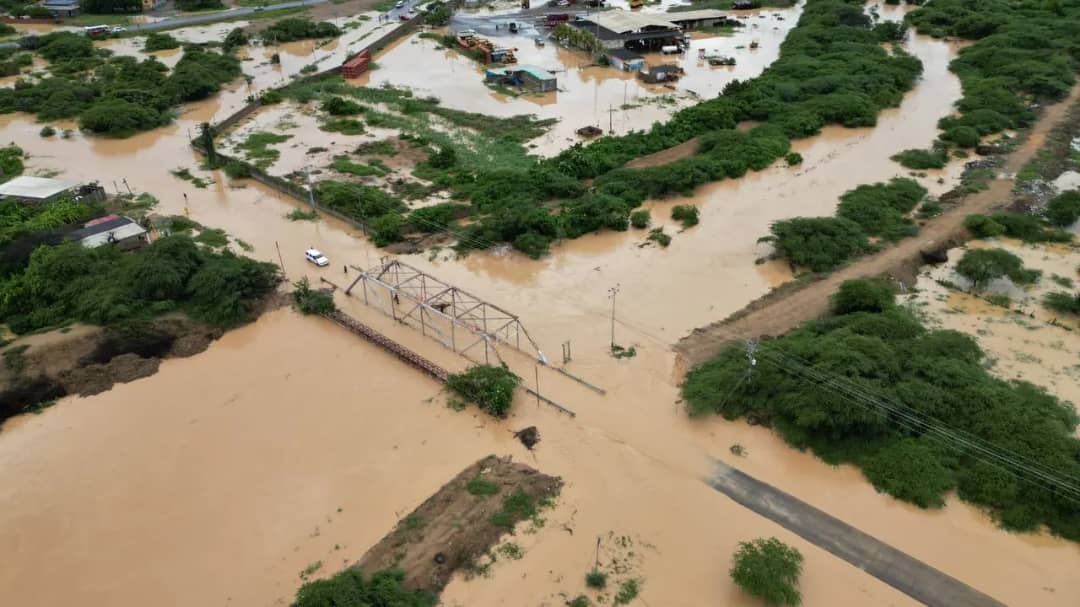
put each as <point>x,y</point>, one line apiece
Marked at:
<point>316,257</point>
<point>116,29</point>
<point>400,4</point>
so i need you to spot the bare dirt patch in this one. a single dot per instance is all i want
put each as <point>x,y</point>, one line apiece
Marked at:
<point>461,522</point>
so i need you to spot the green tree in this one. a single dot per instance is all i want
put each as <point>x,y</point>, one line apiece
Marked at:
<point>492,388</point>
<point>980,266</point>
<point>769,570</point>
<point>863,295</point>
<point>1064,209</point>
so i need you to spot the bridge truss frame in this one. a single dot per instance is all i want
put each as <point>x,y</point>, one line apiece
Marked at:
<point>421,300</point>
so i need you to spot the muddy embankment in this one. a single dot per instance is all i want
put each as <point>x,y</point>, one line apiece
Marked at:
<point>86,360</point>
<point>787,307</point>
<point>461,522</point>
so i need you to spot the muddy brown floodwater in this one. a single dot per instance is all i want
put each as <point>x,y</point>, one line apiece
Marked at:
<point>220,478</point>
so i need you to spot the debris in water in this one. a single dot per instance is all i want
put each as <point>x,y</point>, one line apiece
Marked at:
<point>528,437</point>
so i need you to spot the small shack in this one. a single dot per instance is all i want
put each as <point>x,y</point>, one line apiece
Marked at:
<point>62,8</point>
<point>357,65</point>
<point>111,229</point>
<point>627,61</point>
<point>529,77</point>
<point>35,189</point>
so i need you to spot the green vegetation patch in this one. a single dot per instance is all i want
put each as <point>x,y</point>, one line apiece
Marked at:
<point>257,147</point>
<point>157,41</point>
<point>351,589</point>
<point>934,377</point>
<point>491,388</point>
<point>769,570</point>
<point>296,28</point>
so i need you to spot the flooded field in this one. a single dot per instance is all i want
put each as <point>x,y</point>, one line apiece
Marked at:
<point>291,442</point>
<point>1025,340</point>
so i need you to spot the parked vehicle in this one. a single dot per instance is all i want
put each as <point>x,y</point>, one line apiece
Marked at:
<point>116,29</point>
<point>316,257</point>
<point>673,49</point>
<point>399,4</point>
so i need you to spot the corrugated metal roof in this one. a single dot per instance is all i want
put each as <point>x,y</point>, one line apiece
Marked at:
<point>705,13</point>
<point>537,72</point>
<point>123,232</point>
<point>35,188</point>
<point>621,22</point>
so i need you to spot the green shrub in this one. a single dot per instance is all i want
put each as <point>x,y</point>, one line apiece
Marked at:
<point>1064,209</point>
<point>930,209</point>
<point>235,39</point>
<point>434,218</point>
<point>769,570</point>
<point>962,136</point>
<point>627,592</point>
<point>296,28</point>
<point>982,226</point>
<point>301,215</point>
<point>686,213</point>
<point>517,507</point>
<point>914,470</point>
<point>339,106</point>
<point>596,580</point>
<point>47,131</point>
<point>492,388</point>
<point>1029,228</point>
<point>237,170</point>
<point>158,41</point>
<point>981,266</point>
<point>386,229</point>
<point>481,487</point>
<point>1060,301</point>
<point>349,588</point>
<point>920,160</point>
<point>863,295</point>
<point>640,219</point>
<point>881,209</point>
<point>311,301</point>
<point>658,236</point>
<point>793,158</point>
<point>818,243</point>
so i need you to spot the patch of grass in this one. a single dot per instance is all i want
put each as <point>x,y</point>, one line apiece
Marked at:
<point>658,236</point>
<point>244,246</point>
<point>413,522</point>
<point>517,506</point>
<point>511,551</point>
<point>301,215</point>
<point>618,351</point>
<point>212,237</point>
<point>345,126</point>
<point>579,601</point>
<point>15,359</point>
<point>257,147</point>
<point>482,487</point>
<point>687,214</point>
<point>342,164</point>
<point>310,569</point>
<point>1063,281</point>
<point>382,147</point>
<point>628,591</point>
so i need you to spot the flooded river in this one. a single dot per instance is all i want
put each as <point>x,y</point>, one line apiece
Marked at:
<point>217,480</point>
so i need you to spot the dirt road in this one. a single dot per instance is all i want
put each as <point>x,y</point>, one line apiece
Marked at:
<point>780,312</point>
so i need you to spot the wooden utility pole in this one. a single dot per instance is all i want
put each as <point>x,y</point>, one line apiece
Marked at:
<point>612,292</point>
<point>280,260</point>
<point>536,370</point>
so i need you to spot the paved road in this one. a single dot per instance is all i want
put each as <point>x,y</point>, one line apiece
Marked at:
<point>183,21</point>
<point>908,575</point>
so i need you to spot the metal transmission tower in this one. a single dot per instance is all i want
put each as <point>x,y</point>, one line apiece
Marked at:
<point>458,319</point>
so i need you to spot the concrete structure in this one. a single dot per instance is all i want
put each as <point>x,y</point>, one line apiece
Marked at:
<point>661,73</point>
<point>35,189</point>
<point>111,229</point>
<point>627,61</point>
<point>61,8</point>
<point>622,29</point>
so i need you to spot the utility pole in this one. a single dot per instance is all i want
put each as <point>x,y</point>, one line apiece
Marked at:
<point>566,352</point>
<point>310,190</point>
<point>280,260</point>
<point>610,114</point>
<point>536,370</point>
<point>612,292</point>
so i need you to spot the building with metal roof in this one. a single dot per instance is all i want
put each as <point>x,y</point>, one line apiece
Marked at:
<point>620,29</point>
<point>698,18</point>
<point>25,188</point>
<point>111,229</point>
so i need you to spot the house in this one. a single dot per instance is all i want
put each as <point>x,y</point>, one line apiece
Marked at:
<point>61,8</point>
<point>35,189</point>
<point>530,77</point>
<point>111,229</point>
<point>627,61</point>
<point>696,19</point>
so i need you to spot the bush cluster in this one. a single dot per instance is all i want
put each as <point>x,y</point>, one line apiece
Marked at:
<point>768,569</point>
<point>822,243</point>
<point>1015,225</point>
<point>117,96</point>
<point>351,589</point>
<point>980,266</point>
<point>158,41</point>
<point>104,285</point>
<point>888,356</point>
<point>492,388</point>
<point>295,28</point>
